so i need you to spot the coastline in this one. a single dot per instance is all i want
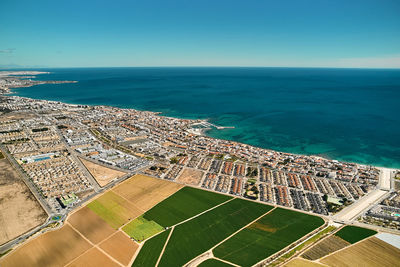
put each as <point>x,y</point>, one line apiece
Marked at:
<point>202,132</point>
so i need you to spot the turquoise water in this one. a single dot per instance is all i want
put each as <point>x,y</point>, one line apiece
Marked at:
<point>344,114</point>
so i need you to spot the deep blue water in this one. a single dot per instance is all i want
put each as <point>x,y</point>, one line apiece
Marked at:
<point>344,114</point>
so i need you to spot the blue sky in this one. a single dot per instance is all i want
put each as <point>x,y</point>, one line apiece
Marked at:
<point>310,33</point>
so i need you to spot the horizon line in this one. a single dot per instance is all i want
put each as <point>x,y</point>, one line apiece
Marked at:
<point>194,66</point>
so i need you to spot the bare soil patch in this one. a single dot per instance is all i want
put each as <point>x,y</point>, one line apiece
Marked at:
<point>19,209</point>
<point>325,247</point>
<point>17,116</point>
<point>145,191</point>
<point>190,176</point>
<point>120,247</point>
<point>93,258</point>
<point>90,225</point>
<point>55,248</point>
<point>370,252</point>
<point>262,227</point>
<point>103,175</point>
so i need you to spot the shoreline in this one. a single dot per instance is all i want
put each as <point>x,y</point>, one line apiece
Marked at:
<point>204,133</point>
<point>200,132</point>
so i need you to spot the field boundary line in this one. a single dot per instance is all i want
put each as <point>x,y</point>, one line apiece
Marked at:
<point>211,249</point>
<point>349,246</point>
<point>242,228</point>
<point>104,240</point>
<point>228,262</point>
<point>201,213</point>
<point>288,248</point>
<point>165,245</point>
<point>319,241</point>
<point>71,261</point>
<point>125,224</point>
<point>95,245</point>
<point>28,240</point>
<point>135,254</point>
<point>130,202</point>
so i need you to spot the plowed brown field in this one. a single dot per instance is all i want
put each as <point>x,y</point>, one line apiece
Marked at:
<point>55,248</point>
<point>93,258</point>
<point>120,247</point>
<point>325,247</point>
<point>370,252</point>
<point>145,191</point>
<point>297,262</point>
<point>90,225</point>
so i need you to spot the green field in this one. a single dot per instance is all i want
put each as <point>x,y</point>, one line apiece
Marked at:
<point>141,229</point>
<point>182,205</point>
<point>198,235</point>
<point>353,234</point>
<point>213,263</point>
<point>268,235</point>
<point>112,208</point>
<point>151,250</point>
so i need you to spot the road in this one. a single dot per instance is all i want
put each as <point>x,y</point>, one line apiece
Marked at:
<point>12,243</point>
<point>27,181</point>
<point>350,213</point>
<point>95,185</point>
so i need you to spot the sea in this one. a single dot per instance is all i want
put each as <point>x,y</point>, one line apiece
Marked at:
<point>349,115</point>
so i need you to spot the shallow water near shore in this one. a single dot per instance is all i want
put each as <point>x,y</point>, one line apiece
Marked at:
<point>344,114</point>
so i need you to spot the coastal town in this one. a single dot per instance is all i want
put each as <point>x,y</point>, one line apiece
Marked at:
<point>58,147</point>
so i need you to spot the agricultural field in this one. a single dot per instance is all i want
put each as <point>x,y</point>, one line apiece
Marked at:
<point>141,229</point>
<point>151,250</point>
<point>297,262</point>
<point>91,235</point>
<point>74,244</point>
<point>190,176</point>
<point>19,209</point>
<point>131,198</point>
<point>114,209</point>
<point>214,263</point>
<point>266,236</point>
<point>145,192</point>
<point>200,234</point>
<point>103,175</point>
<point>353,234</point>
<point>325,247</point>
<point>90,225</point>
<point>120,247</point>
<point>93,258</point>
<point>370,252</point>
<point>56,248</point>
<point>184,204</point>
